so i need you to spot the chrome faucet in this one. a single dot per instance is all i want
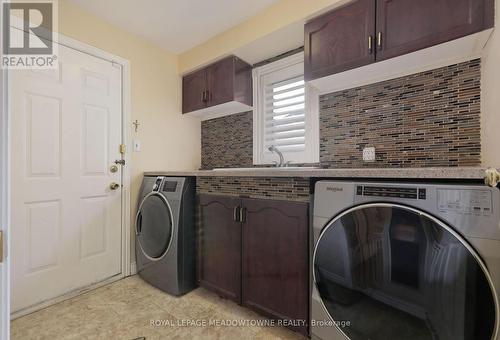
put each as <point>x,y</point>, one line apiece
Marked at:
<point>282,162</point>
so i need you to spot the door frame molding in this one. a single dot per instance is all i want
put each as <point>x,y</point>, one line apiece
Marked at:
<point>4,197</point>
<point>126,131</point>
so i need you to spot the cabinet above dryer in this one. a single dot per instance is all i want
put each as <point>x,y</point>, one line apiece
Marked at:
<point>222,88</point>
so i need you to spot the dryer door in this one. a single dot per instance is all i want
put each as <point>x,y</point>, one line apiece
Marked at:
<point>387,271</point>
<point>154,226</point>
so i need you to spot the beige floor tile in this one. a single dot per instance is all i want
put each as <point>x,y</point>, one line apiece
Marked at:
<point>126,309</point>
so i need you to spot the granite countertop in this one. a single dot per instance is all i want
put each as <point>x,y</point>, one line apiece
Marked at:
<point>471,173</point>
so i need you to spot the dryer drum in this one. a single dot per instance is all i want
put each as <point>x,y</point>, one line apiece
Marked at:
<point>388,271</point>
<point>154,226</point>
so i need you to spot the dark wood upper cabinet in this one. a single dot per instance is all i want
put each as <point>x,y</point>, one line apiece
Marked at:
<point>225,85</point>
<point>367,31</point>
<point>219,261</point>
<point>340,40</point>
<point>193,87</point>
<point>220,82</point>
<point>275,259</point>
<point>405,26</point>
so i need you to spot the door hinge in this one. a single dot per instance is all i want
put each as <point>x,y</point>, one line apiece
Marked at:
<point>122,149</point>
<point>116,64</point>
<point>1,246</point>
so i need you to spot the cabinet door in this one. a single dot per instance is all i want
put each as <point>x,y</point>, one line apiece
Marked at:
<point>340,40</point>
<point>220,78</point>
<point>193,87</point>
<point>407,25</point>
<point>275,259</point>
<point>219,262</point>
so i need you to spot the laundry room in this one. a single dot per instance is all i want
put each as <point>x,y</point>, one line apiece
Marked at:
<point>265,169</point>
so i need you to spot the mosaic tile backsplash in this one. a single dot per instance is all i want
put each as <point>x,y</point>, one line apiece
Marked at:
<point>426,119</point>
<point>284,188</point>
<point>422,120</point>
<point>227,141</point>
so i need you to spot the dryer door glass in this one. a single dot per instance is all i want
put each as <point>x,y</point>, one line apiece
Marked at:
<point>389,272</point>
<point>154,226</point>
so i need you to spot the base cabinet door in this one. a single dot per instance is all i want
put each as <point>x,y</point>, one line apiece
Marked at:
<point>405,26</point>
<point>275,274</point>
<point>219,262</point>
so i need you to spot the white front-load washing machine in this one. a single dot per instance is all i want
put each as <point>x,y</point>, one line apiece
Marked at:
<point>405,261</point>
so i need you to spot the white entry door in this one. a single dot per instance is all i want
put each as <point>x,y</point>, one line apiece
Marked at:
<point>66,219</point>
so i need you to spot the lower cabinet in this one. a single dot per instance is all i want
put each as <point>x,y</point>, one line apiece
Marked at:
<point>255,252</point>
<point>219,262</point>
<point>275,275</point>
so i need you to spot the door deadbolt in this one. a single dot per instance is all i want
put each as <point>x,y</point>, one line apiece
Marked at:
<point>113,169</point>
<point>114,186</point>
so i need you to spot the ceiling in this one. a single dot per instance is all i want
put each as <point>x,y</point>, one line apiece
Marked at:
<point>176,25</point>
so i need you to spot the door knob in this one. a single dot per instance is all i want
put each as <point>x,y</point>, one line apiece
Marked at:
<point>114,186</point>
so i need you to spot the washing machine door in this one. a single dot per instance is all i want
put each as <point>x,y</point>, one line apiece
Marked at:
<point>154,226</point>
<point>388,271</point>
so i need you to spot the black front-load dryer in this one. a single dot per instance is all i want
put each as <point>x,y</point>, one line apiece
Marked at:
<point>165,233</point>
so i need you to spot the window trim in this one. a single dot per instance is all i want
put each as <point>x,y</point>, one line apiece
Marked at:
<point>311,152</point>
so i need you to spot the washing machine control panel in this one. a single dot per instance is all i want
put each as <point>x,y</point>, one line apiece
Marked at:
<point>465,201</point>
<point>394,192</point>
<point>156,186</point>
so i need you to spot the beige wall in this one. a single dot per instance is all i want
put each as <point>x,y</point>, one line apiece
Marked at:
<point>172,142</point>
<point>490,101</point>
<point>169,140</point>
<point>270,20</point>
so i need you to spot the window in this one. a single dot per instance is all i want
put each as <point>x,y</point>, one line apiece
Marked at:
<point>282,116</point>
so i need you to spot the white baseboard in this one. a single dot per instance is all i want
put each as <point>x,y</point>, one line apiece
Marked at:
<point>133,268</point>
<point>66,296</point>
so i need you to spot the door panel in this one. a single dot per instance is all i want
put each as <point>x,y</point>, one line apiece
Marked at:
<point>339,40</point>
<point>275,259</point>
<point>95,140</point>
<point>44,144</point>
<point>66,126</point>
<point>220,80</point>
<point>93,228</point>
<point>193,86</point>
<point>219,259</point>
<point>43,232</point>
<point>399,273</point>
<point>407,25</point>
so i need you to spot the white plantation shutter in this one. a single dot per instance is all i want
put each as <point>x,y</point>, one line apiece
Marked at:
<point>284,115</point>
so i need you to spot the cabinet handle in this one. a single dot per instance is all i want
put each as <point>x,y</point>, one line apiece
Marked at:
<point>203,96</point>
<point>370,44</point>
<point>209,96</point>
<point>235,214</point>
<point>379,40</point>
<point>243,213</point>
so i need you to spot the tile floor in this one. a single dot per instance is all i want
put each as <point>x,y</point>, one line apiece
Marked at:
<point>125,310</point>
